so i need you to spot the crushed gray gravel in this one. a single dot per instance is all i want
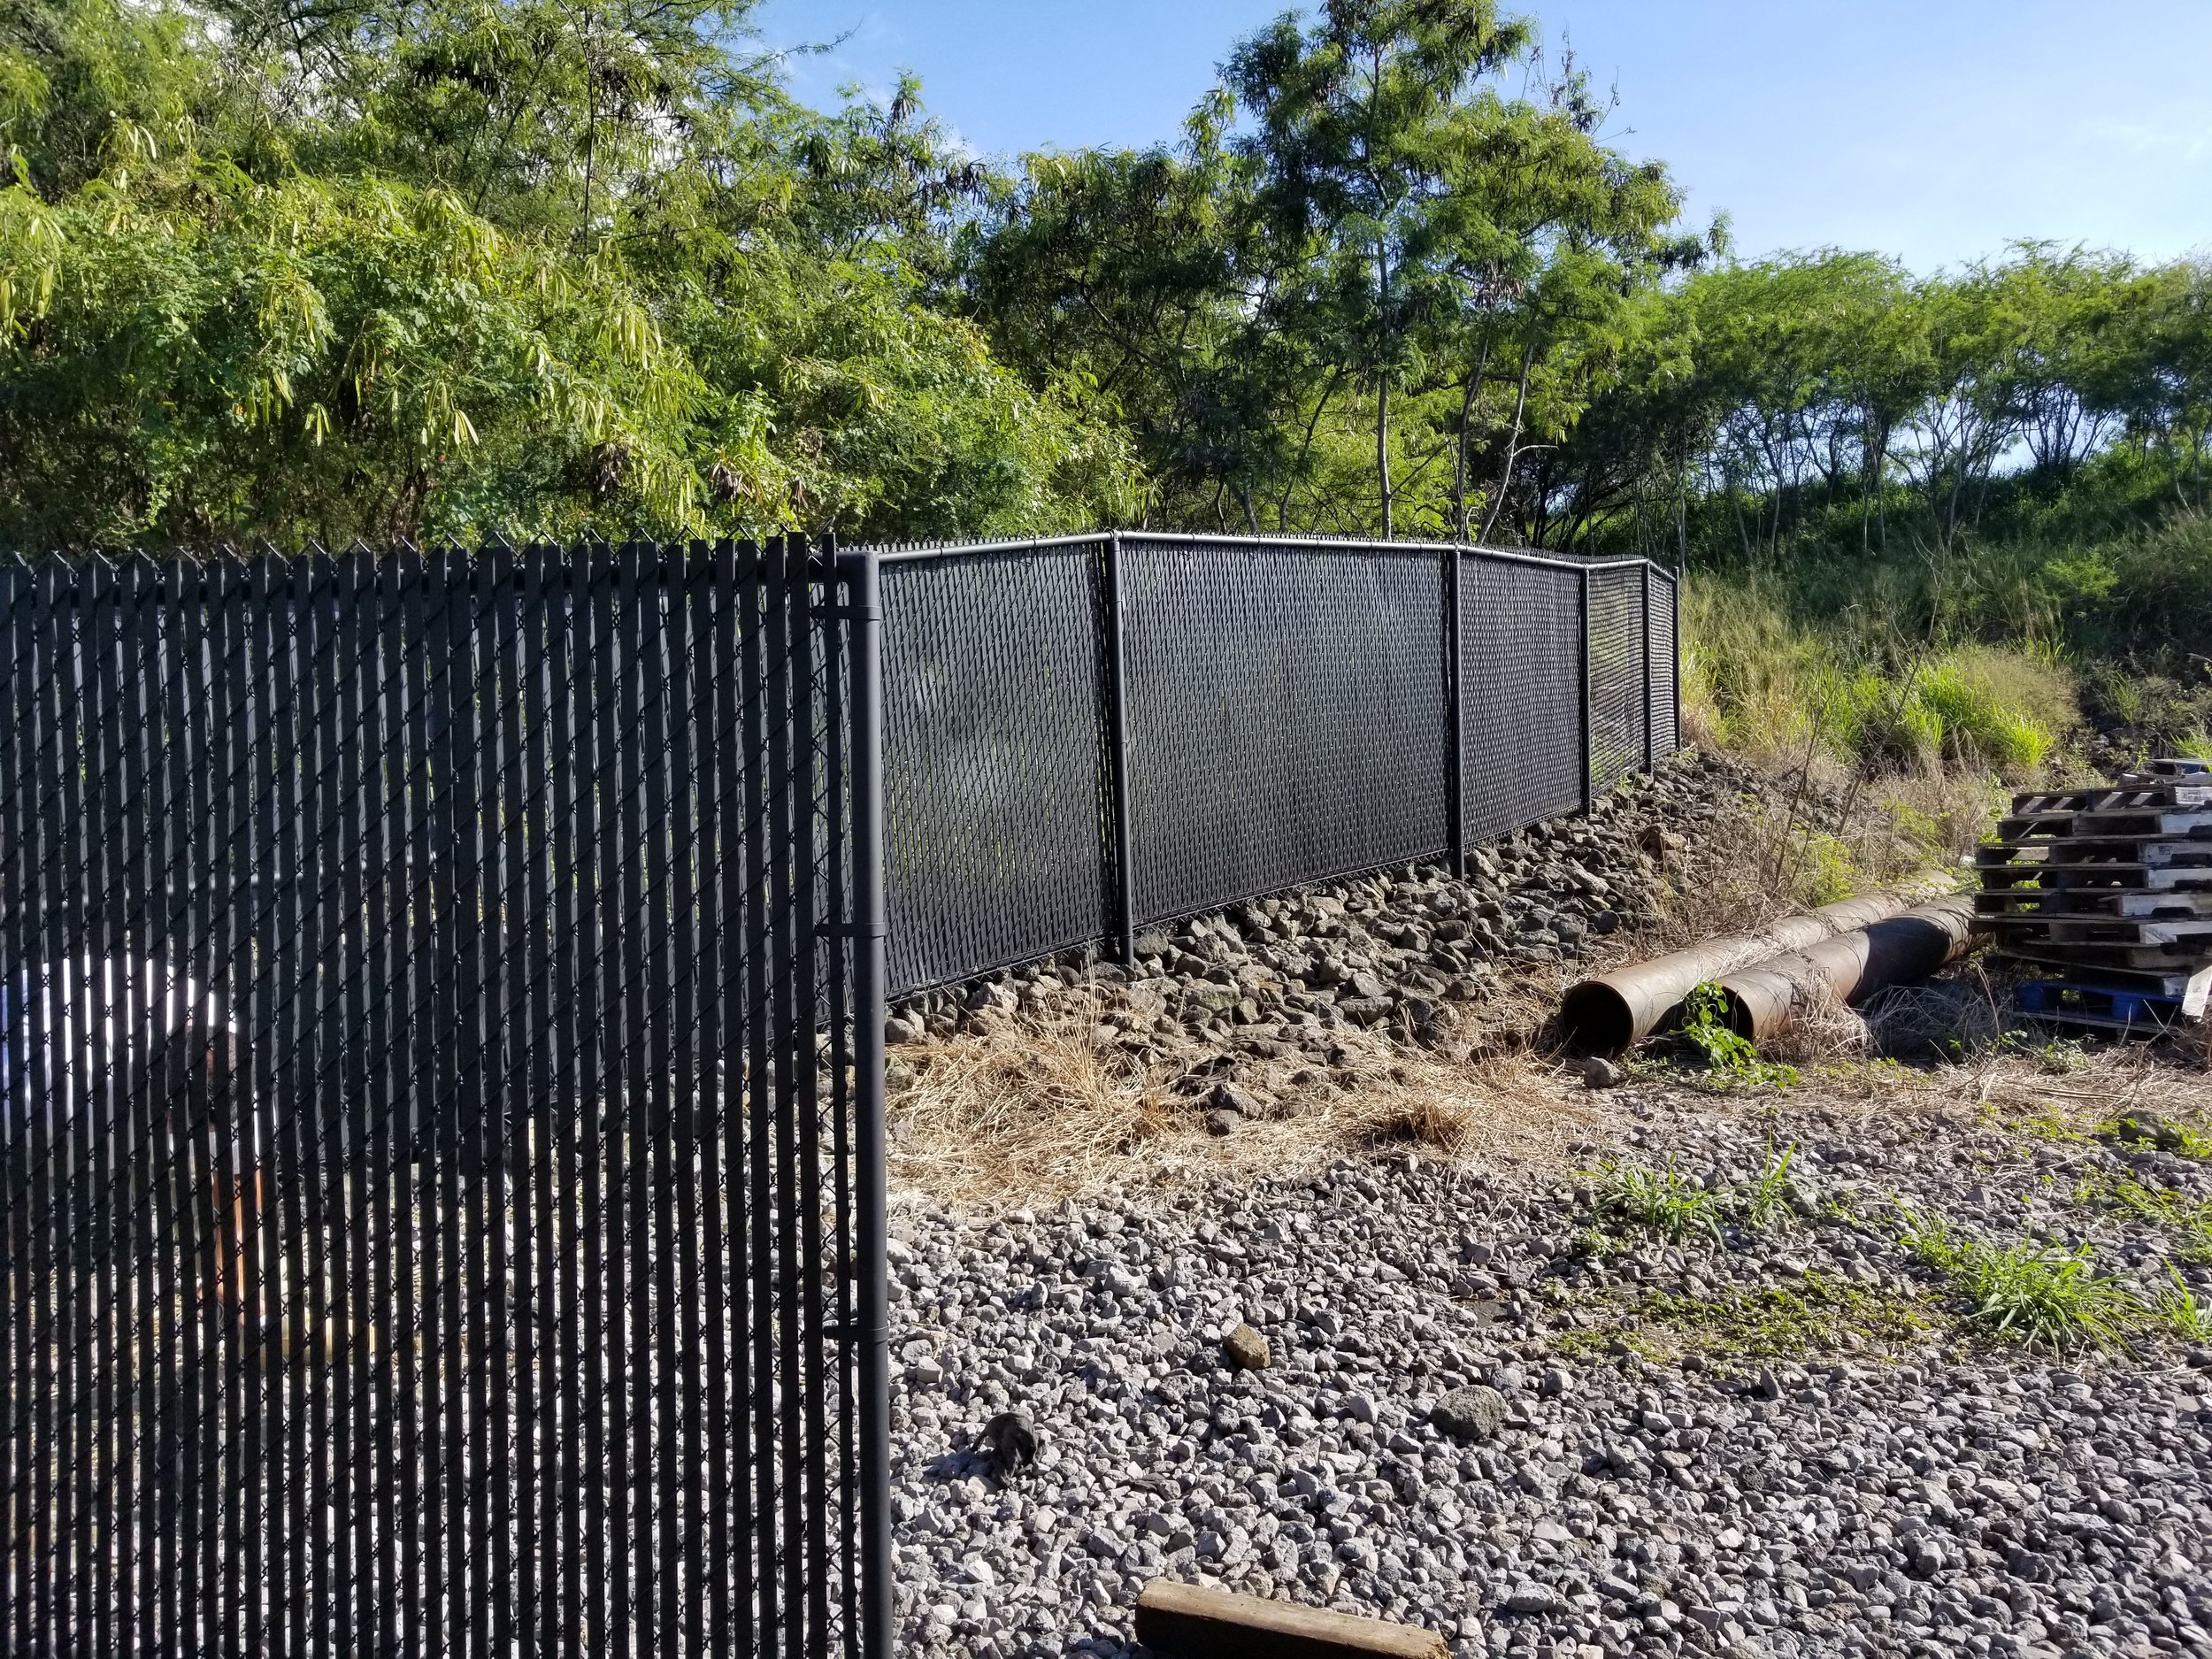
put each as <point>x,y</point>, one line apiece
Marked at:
<point>1472,1420</point>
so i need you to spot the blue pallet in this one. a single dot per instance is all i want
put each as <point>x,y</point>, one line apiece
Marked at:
<point>2109,1006</point>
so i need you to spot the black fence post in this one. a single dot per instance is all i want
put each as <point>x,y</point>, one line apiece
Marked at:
<point>1674,641</point>
<point>872,1221</point>
<point>1117,750</point>
<point>1644,570</point>
<point>1454,716</point>
<point>1589,721</point>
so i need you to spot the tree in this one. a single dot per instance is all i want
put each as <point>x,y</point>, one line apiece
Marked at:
<point>1357,125</point>
<point>425,270</point>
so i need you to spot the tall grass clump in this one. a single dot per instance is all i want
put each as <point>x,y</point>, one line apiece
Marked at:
<point>1759,683</point>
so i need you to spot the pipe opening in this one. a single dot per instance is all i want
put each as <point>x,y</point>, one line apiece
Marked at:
<point>1596,1019</point>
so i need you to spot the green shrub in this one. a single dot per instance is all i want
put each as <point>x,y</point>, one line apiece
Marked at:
<point>1757,681</point>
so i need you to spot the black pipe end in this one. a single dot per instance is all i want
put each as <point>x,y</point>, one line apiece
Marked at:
<point>1594,1019</point>
<point>1736,1015</point>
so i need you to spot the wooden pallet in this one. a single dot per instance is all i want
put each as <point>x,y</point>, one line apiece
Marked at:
<point>2172,766</point>
<point>2108,826</point>
<point>2096,855</point>
<point>2039,875</point>
<point>2106,894</point>
<point>2107,799</point>
<point>2133,958</point>
<point>2098,930</point>
<point>2063,902</point>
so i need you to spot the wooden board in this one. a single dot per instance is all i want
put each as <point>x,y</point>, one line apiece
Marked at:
<point>1190,1623</point>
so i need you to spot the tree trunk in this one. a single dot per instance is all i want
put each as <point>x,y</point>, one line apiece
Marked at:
<point>1466,413</point>
<point>1382,446</point>
<point>1512,444</point>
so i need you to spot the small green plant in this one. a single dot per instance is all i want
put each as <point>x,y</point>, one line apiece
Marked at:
<point>1819,1313</point>
<point>2041,1295</point>
<point>2044,1124</point>
<point>1724,1059</point>
<point>2059,1056</point>
<point>1768,1204</point>
<point>2149,1129</point>
<point>2177,1309</point>
<point>1593,1244</point>
<point>2174,1212</point>
<point>1664,1201</point>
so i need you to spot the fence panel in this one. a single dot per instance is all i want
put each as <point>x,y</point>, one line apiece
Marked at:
<point>1665,694</point>
<point>1286,715</point>
<point>1618,681</point>
<point>434,1018</point>
<point>995,746</point>
<point>1520,641</point>
<point>1281,716</point>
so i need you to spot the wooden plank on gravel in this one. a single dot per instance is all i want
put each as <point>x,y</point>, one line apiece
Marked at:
<point>1191,1622</point>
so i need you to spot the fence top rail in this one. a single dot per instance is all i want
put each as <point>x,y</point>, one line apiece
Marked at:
<point>1304,544</point>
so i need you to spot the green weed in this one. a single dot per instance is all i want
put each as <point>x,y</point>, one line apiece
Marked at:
<point>1723,1059</point>
<point>2163,1132</point>
<point>1819,1313</point>
<point>2040,1295</point>
<point>1664,1201</point>
<point>2059,1056</point>
<point>2177,1311</point>
<point>1768,1204</point>
<point>2172,1211</point>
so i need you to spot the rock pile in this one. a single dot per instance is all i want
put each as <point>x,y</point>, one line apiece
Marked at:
<point>1415,948</point>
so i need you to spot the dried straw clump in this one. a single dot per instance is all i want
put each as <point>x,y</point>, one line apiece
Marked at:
<point>1035,1112</point>
<point>1426,1121</point>
<point>1821,1032</point>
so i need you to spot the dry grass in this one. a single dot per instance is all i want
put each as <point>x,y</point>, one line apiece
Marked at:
<point>1033,1113</point>
<point>1823,1031</point>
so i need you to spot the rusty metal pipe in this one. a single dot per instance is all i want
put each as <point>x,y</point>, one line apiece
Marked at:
<point>1611,1014</point>
<point>1846,970</point>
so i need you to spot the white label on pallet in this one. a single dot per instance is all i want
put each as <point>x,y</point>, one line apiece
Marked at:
<point>2191,795</point>
<point>2198,992</point>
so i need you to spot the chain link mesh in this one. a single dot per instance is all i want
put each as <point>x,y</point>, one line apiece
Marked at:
<point>1616,674</point>
<point>996,760</point>
<point>1521,655</point>
<point>1286,709</point>
<point>1666,722</point>
<point>427,1216</point>
<point>1286,716</point>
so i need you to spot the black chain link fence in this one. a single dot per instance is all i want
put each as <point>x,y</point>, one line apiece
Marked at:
<point>1088,735</point>
<point>439,998</point>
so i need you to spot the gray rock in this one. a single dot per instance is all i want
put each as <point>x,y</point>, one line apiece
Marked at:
<point>1229,1097</point>
<point>1471,1414</point>
<point>1533,1599</point>
<point>1599,1072</point>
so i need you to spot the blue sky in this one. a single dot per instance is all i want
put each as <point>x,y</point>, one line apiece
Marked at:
<point>1935,131</point>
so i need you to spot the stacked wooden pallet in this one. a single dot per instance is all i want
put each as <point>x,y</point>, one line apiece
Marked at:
<point>2105,895</point>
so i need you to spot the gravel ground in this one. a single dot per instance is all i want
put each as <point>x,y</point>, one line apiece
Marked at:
<point>1778,1440</point>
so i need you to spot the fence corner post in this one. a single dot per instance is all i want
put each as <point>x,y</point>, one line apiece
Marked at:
<point>1121,855</point>
<point>861,574</point>
<point>1674,650</point>
<point>1650,740</point>
<point>1455,717</point>
<point>1589,712</point>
